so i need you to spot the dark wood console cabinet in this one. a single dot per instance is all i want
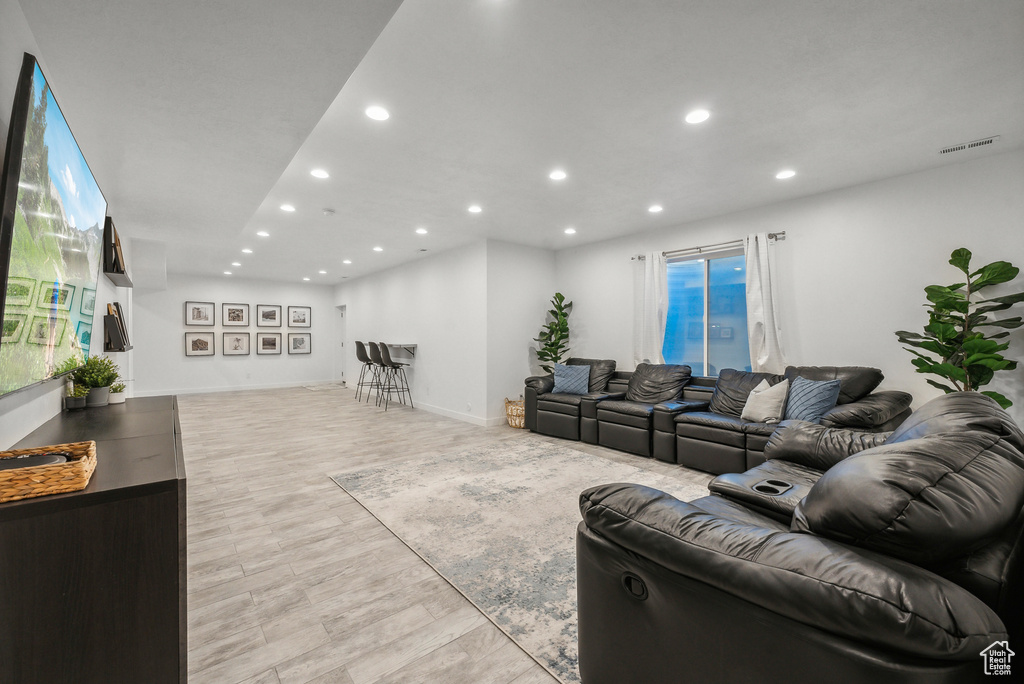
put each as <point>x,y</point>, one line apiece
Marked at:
<point>92,583</point>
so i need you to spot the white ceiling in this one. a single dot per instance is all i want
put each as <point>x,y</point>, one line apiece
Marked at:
<point>200,119</point>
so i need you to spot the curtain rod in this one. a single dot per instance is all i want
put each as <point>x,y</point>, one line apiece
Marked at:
<point>732,244</point>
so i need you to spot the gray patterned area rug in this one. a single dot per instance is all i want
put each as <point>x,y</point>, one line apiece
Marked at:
<point>499,523</point>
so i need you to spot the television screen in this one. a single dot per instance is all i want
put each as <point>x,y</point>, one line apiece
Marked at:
<point>51,238</point>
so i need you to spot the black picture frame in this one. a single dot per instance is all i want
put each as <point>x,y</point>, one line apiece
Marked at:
<point>200,314</point>
<point>300,316</point>
<point>234,315</point>
<point>268,316</point>
<point>262,349</point>
<point>300,343</point>
<point>193,348</point>
<point>235,344</point>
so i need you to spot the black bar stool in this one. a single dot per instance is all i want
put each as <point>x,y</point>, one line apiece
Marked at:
<point>380,372</point>
<point>397,382</point>
<point>369,381</point>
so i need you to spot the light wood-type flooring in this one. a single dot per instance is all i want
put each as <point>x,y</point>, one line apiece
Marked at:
<point>291,580</point>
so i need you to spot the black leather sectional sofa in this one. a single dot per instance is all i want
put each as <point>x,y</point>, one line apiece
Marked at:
<point>663,411</point>
<point>848,557</point>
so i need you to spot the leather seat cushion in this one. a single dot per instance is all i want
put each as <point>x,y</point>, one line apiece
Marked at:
<point>763,429</point>
<point>571,399</point>
<point>927,499</point>
<point>711,434</point>
<point>737,512</point>
<point>567,408</point>
<point>632,413</point>
<point>733,389</point>
<point>709,419</point>
<point>855,382</point>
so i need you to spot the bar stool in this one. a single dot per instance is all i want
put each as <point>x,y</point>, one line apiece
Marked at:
<point>368,367</point>
<point>397,379</point>
<point>380,372</point>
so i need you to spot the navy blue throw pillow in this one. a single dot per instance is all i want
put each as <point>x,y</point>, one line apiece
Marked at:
<point>811,399</point>
<point>571,379</point>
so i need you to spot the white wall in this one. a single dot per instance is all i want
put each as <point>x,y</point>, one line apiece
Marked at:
<point>438,303</point>
<point>853,266</point>
<point>520,285</point>
<point>161,366</point>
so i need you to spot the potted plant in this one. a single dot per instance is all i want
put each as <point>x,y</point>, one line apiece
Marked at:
<point>76,397</point>
<point>962,347</point>
<point>554,336</point>
<point>117,393</point>
<point>98,374</point>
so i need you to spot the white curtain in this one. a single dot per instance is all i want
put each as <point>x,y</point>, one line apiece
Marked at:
<point>651,309</point>
<point>763,329</point>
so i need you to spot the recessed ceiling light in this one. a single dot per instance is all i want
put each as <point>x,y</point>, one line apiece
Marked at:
<point>377,113</point>
<point>263,233</point>
<point>475,209</point>
<point>557,174</point>
<point>305,278</point>
<point>227,272</point>
<point>323,272</point>
<point>378,249</point>
<point>287,207</point>
<point>784,174</point>
<point>236,263</point>
<point>319,173</point>
<point>697,116</point>
<point>570,231</point>
<point>246,251</point>
<point>347,261</point>
<point>421,231</point>
<point>654,208</point>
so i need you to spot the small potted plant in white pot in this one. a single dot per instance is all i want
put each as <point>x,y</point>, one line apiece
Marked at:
<point>116,393</point>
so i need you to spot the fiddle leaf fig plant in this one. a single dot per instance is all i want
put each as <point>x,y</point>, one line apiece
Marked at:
<point>554,336</point>
<point>960,343</point>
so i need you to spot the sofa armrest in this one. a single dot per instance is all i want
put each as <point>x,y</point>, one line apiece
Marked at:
<point>870,412</point>
<point>541,384</point>
<point>811,580</point>
<point>666,412</point>
<point>817,446</point>
<point>588,405</point>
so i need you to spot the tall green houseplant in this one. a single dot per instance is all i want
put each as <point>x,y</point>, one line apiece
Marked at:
<point>960,342</point>
<point>554,336</point>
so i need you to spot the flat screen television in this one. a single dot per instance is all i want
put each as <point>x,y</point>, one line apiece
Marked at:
<point>51,239</point>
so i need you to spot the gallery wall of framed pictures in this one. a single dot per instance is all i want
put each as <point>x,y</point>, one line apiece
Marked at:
<point>236,339</point>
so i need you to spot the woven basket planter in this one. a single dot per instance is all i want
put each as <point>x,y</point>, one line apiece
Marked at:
<point>56,478</point>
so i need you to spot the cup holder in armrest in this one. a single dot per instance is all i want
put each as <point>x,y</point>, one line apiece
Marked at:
<point>772,487</point>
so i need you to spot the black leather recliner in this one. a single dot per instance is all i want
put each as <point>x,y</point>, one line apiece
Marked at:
<point>717,440</point>
<point>558,414</point>
<point>900,561</point>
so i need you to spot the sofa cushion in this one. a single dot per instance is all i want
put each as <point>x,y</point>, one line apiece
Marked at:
<point>655,383</point>
<point>855,382</point>
<point>546,406</point>
<point>766,403</point>
<point>733,388</point>
<point>710,419</point>
<point>571,379</point>
<point>868,412</point>
<point>929,498</point>
<point>957,412</point>
<point>601,371</point>
<point>817,446</point>
<point>810,400</point>
<point>570,399</point>
<point>632,413</point>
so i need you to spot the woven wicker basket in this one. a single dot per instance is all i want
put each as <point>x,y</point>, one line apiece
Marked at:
<point>515,413</point>
<point>56,478</point>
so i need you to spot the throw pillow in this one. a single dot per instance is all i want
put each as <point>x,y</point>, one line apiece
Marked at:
<point>811,399</point>
<point>766,403</point>
<point>571,379</point>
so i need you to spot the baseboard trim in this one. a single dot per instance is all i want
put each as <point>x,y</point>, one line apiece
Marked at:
<point>234,388</point>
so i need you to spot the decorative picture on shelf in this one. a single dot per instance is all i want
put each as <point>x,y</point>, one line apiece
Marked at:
<point>268,315</point>
<point>234,314</point>
<point>268,343</point>
<point>84,333</point>
<point>299,343</point>
<point>236,344</point>
<point>46,330</point>
<point>199,313</point>
<point>298,317</point>
<point>199,343</point>
<point>88,304</point>
<point>19,291</point>
<point>14,324</point>
<point>56,297</point>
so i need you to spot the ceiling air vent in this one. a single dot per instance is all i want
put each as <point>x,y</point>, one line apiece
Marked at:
<point>969,145</point>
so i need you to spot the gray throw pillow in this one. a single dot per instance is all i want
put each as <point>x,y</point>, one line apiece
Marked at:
<point>766,403</point>
<point>571,379</point>
<point>811,399</point>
